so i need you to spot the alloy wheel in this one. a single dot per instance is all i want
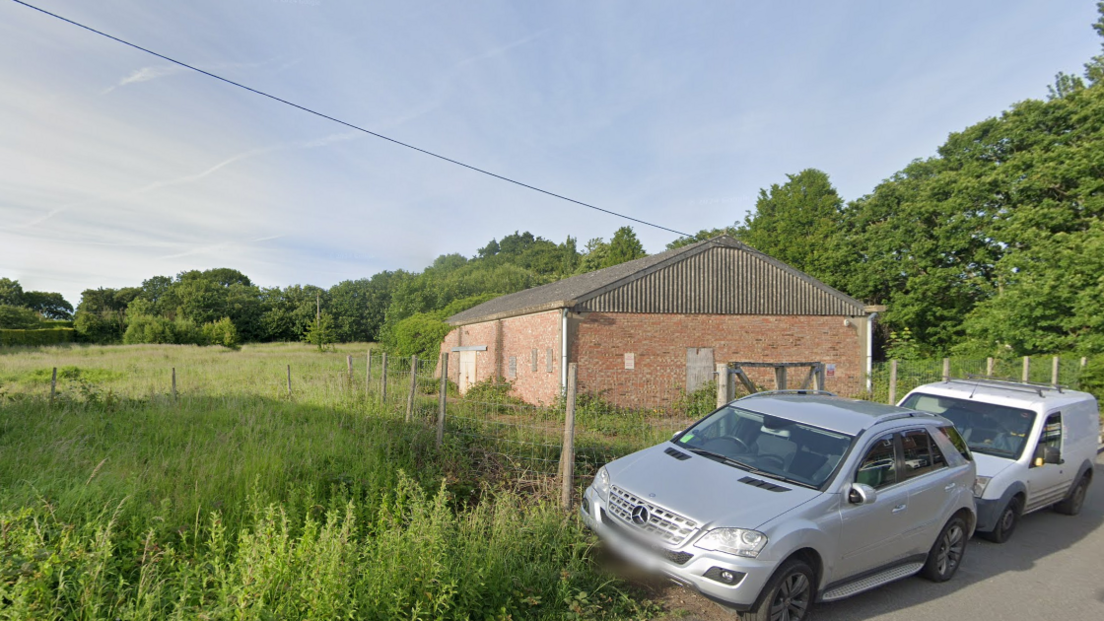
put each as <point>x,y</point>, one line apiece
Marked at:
<point>950,549</point>
<point>791,601</point>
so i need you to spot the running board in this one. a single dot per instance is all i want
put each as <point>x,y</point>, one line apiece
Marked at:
<point>870,582</point>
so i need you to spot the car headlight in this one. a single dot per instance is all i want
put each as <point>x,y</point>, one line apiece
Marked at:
<point>738,541</point>
<point>980,483</point>
<point>601,483</point>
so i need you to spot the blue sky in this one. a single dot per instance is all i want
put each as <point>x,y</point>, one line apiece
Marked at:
<point>116,166</point>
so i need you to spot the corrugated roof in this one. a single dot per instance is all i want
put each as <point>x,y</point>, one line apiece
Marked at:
<point>716,276</point>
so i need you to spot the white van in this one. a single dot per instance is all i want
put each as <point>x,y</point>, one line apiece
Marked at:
<point>1034,445</point>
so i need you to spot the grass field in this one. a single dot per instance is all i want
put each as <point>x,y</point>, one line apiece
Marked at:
<point>236,501</point>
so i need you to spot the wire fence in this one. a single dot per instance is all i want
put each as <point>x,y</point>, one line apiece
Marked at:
<point>890,386</point>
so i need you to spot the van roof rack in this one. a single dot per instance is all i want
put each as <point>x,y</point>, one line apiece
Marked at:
<point>984,380</point>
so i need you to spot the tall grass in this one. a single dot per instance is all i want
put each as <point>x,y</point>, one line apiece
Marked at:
<point>234,501</point>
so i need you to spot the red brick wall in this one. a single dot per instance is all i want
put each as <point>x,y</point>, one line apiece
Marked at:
<point>513,337</point>
<point>659,343</point>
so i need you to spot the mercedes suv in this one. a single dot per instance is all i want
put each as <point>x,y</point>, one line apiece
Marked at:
<point>779,500</point>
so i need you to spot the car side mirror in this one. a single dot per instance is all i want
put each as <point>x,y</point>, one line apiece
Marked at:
<point>861,494</point>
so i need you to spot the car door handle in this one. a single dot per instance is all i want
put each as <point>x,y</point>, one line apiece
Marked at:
<point>949,487</point>
<point>899,508</point>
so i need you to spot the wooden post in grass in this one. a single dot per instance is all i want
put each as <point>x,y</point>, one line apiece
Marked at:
<point>383,379</point>
<point>413,387</point>
<point>1054,371</point>
<point>567,456</point>
<point>722,385</point>
<point>174,382</point>
<point>442,400</point>
<point>289,380</point>
<point>946,369</point>
<point>349,361</point>
<point>893,382</point>
<point>368,373</point>
<point>1084,362</point>
<point>989,367</point>
<point>1026,369</point>
<point>53,385</point>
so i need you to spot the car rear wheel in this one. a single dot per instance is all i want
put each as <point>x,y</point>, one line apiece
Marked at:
<point>946,554</point>
<point>1007,522</point>
<point>788,595</point>
<point>1072,505</point>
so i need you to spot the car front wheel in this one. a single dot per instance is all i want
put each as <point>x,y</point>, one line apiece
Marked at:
<point>946,554</point>
<point>789,594</point>
<point>1007,522</point>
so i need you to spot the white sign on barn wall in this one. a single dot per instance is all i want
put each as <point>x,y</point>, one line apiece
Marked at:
<point>630,362</point>
<point>830,370</point>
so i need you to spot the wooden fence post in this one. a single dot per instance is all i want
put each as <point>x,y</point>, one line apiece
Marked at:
<point>722,385</point>
<point>383,379</point>
<point>174,382</point>
<point>818,379</point>
<point>368,374</point>
<point>946,369</point>
<point>53,386</point>
<point>289,380</point>
<point>1026,369</point>
<point>989,367</point>
<point>442,400</point>
<point>893,382</point>
<point>349,361</point>
<point>567,457</point>
<point>1054,371</point>
<point>780,378</point>
<point>1084,362</point>
<point>413,387</point>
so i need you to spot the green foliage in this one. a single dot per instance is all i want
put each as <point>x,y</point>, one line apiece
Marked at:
<point>221,332</point>
<point>320,332</point>
<point>49,305</point>
<point>623,247</point>
<point>419,334</point>
<point>703,235</point>
<point>903,346</point>
<point>17,318</point>
<point>50,336</point>
<point>788,217</point>
<point>1092,378</point>
<point>11,292</point>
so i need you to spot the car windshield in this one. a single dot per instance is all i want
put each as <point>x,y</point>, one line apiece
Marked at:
<point>770,445</point>
<point>988,428</point>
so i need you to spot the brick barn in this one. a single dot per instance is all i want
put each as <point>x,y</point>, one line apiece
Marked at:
<point>648,331</point>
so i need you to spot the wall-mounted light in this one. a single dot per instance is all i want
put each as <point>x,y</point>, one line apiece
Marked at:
<point>846,323</point>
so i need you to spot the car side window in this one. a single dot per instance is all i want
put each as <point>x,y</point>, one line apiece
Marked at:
<point>879,467</point>
<point>921,456</point>
<point>959,443</point>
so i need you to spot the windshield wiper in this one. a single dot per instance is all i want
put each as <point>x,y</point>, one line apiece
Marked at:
<point>722,458</point>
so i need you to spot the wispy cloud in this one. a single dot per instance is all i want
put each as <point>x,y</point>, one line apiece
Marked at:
<point>145,74</point>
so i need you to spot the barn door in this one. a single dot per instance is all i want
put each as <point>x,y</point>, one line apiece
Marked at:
<point>699,367</point>
<point>467,370</point>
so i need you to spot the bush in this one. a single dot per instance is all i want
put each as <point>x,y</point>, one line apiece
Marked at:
<point>18,318</point>
<point>1092,378</point>
<point>418,335</point>
<point>221,332</point>
<point>144,329</point>
<point>53,336</point>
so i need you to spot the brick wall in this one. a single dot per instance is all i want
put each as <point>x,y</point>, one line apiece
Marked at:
<point>514,337</point>
<point>659,343</point>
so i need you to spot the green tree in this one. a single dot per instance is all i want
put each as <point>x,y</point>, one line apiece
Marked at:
<point>49,305</point>
<point>11,292</point>
<point>320,332</point>
<point>419,334</point>
<point>797,221</point>
<point>703,235</point>
<point>624,247</point>
<point>18,318</point>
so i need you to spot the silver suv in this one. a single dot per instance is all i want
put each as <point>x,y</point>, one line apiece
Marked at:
<point>782,499</point>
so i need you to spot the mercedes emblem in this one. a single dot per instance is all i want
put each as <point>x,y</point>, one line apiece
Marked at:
<point>640,515</point>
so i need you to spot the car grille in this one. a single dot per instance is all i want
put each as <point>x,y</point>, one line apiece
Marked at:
<point>676,557</point>
<point>668,526</point>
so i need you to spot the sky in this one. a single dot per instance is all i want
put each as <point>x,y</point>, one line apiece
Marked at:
<point>116,166</point>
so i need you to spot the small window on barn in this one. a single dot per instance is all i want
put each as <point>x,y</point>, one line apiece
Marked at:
<point>512,371</point>
<point>549,359</point>
<point>534,365</point>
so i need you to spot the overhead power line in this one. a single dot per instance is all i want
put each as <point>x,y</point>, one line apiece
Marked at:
<point>346,123</point>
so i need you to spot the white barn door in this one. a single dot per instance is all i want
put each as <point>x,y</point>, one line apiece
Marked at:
<point>467,370</point>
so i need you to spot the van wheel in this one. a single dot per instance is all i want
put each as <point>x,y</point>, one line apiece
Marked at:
<point>946,553</point>
<point>788,596</point>
<point>1007,522</point>
<point>1073,503</point>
